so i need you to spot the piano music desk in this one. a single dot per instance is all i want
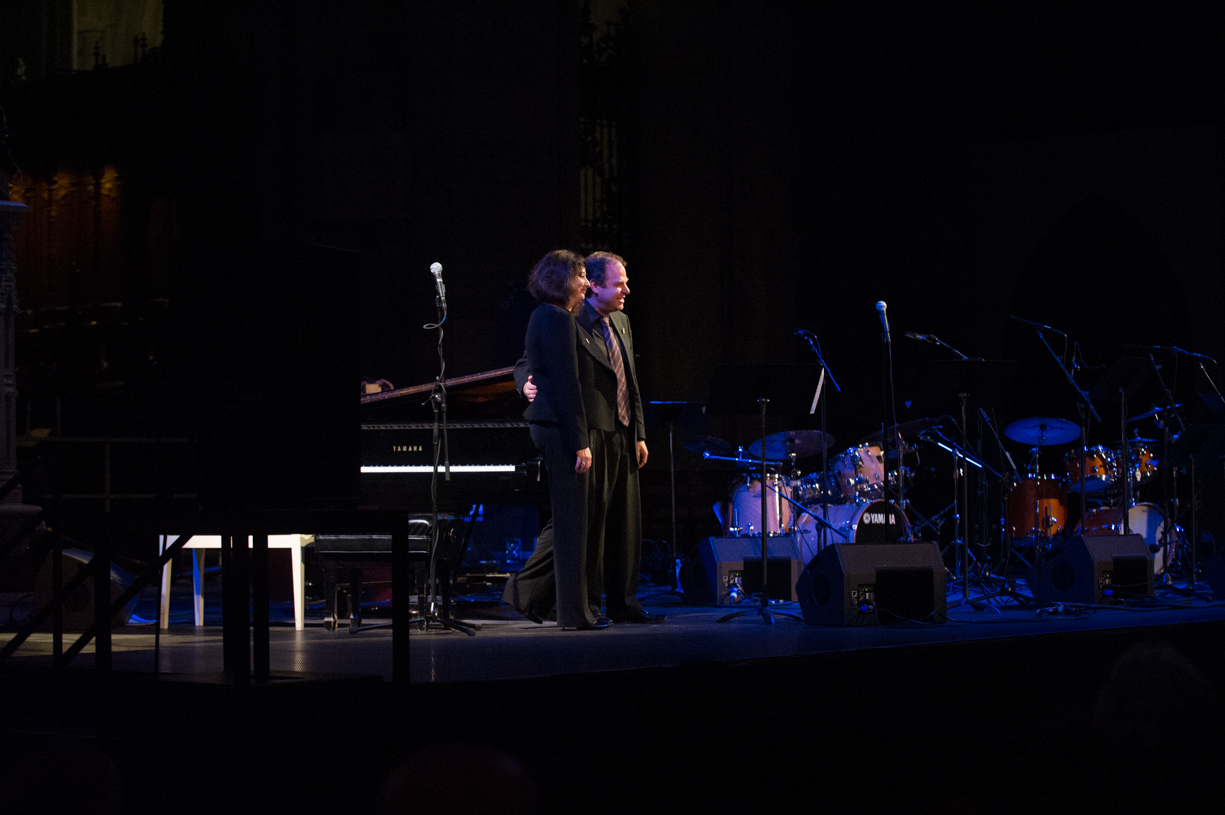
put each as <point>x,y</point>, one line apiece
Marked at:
<point>202,542</point>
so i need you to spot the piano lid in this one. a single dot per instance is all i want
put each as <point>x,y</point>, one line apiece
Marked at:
<point>487,395</point>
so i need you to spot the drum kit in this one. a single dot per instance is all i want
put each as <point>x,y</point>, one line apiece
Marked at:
<point>844,503</point>
<point>1037,503</point>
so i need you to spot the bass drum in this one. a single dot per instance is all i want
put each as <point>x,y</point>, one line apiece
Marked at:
<point>1145,520</point>
<point>743,516</point>
<point>877,522</point>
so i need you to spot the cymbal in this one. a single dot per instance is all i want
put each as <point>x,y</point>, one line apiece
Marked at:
<point>906,430</point>
<point>1152,412</point>
<point>801,442</point>
<point>1042,430</point>
<point>709,444</point>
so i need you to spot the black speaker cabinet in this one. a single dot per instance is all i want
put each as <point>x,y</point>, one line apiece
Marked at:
<point>1096,569</point>
<point>79,606</point>
<point>1214,573</point>
<point>871,584</point>
<point>724,561</point>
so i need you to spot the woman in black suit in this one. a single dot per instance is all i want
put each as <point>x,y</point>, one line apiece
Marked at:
<point>559,426</point>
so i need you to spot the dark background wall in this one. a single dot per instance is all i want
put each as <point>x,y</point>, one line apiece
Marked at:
<point>784,165</point>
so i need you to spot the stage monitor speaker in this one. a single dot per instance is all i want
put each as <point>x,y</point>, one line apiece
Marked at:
<point>724,562</point>
<point>79,606</point>
<point>1093,569</point>
<point>873,584</point>
<point>1214,573</point>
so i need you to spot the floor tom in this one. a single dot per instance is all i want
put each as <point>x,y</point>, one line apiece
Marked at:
<point>1037,506</point>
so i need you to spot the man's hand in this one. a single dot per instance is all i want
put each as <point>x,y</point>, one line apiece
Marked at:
<point>584,460</point>
<point>642,454</point>
<point>529,390</point>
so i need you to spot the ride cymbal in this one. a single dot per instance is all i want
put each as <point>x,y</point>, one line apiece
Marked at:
<point>1042,431</point>
<point>800,442</point>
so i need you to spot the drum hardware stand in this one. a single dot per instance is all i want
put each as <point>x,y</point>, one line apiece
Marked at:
<point>767,615</point>
<point>1008,590</point>
<point>791,388</point>
<point>435,613</point>
<point>815,344</point>
<point>1203,442</point>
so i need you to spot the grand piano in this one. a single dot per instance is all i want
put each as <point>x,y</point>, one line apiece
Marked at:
<point>493,460</point>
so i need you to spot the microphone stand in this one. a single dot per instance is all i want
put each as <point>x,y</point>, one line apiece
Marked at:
<point>889,409</point>
<point>435,615</point>
<point>815,344</point>
<point>1082,402</point>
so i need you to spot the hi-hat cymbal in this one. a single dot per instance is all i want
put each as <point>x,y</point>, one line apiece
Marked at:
<point>905,430</point>
<point>1042,430</point>
<point>709,444</point>
<point>800,442</point>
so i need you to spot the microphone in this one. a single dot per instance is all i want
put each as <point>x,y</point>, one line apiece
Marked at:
<point>884,321</point>
<point>1035,325</point>
<point>436,270</point>
<point>910,335</point>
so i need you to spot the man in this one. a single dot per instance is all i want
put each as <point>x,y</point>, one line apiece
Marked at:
<point>616,432</point>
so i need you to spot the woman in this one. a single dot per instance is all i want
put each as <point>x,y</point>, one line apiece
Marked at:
<point>559,431</point>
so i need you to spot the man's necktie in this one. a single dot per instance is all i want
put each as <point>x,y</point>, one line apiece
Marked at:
<point>618,365</point>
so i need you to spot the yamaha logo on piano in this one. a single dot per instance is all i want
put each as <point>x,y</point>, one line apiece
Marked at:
<point>406,448</point>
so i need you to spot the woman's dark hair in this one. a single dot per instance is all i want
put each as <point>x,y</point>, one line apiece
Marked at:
<point>551,280</point>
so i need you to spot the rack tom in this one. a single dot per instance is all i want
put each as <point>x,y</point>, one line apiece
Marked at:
<point>1098,472</point>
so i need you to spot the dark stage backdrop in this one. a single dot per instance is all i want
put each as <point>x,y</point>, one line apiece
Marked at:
<point>782,165</point>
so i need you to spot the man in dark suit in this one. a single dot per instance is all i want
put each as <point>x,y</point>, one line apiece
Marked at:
<point>617,433</point>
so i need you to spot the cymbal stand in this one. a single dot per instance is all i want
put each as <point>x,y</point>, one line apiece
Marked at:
<point>435,614</point>
<point>815,344</point>
<point>1170,528</point>
<point>1006,591</point>
<point>1125,464</point>
<point>960,495</point>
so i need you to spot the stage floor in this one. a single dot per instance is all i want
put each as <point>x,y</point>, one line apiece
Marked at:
<point>996,710</point>
<point>508,647</point>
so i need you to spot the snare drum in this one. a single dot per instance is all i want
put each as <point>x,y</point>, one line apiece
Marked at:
<point>1100,469</point>
<point>744,512</point>
<point>859,472</point>
<point>875,522</point>
<point>1145,520</point>
<point>1037,506</point>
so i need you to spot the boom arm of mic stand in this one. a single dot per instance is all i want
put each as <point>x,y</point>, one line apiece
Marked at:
<point>944,344</point>
<point>1169,397</point>
<point>952,447</point>
<point>821,359</point>
<point>803,509</point>
<point>1082,395</point>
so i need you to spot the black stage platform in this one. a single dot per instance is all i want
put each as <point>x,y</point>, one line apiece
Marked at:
<point>999,709</point>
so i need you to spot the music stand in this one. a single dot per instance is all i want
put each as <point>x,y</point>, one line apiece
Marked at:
<point>745,390</point>
<point>980,383</point>
<point>669,413</point>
